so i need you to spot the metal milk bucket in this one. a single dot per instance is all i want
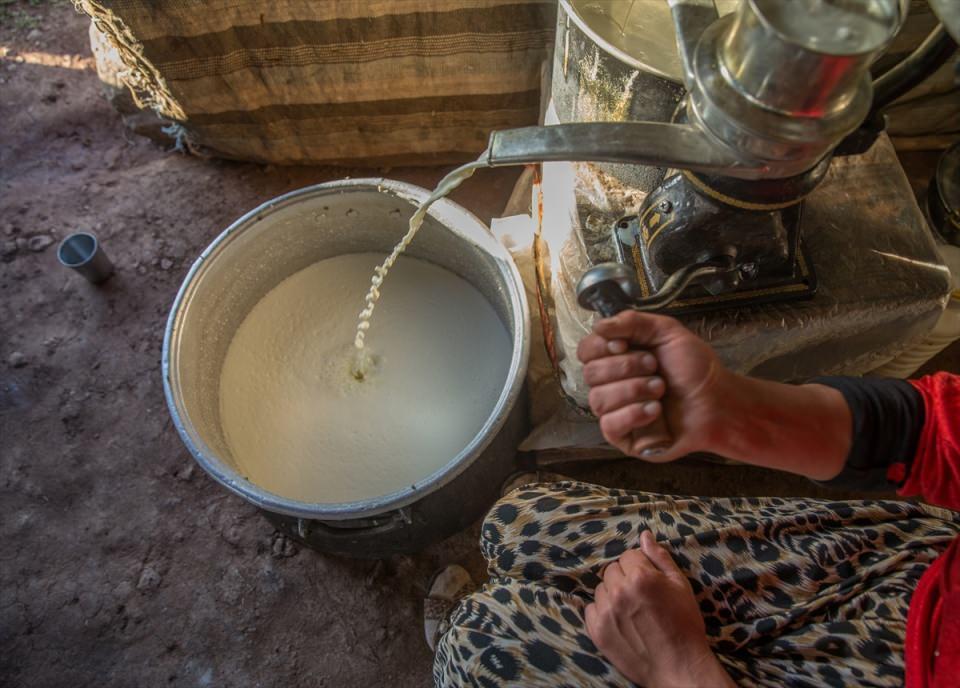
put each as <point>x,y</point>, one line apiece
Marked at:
<point>285,235</point>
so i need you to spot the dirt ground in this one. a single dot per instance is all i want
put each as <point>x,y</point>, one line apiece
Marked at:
<point>122,564</point>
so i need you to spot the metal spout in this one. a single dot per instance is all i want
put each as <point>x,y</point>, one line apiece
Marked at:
<point>657,144</point>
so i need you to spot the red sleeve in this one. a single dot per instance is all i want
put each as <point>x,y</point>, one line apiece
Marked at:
<point>934,473</point>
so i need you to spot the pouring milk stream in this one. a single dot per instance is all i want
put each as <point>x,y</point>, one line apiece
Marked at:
<point>447,184</point>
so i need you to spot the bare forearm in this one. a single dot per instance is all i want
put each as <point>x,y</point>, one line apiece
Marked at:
<point>802,429</point>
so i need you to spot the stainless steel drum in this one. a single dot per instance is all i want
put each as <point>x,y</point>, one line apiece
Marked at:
<point>285,235</point>
<point>597,78</point>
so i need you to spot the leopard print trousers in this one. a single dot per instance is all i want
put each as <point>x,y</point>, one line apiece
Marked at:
<point>794,592</point>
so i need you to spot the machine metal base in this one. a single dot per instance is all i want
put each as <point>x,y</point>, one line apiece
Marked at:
<point>801,283</point>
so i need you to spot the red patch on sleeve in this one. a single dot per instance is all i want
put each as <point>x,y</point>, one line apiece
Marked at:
<point>935,473</point>
<point>897,473</point>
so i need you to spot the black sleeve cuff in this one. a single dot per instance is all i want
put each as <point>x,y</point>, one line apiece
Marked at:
<point>888,416</point>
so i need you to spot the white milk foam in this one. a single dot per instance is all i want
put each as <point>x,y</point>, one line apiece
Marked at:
<point>300,425</point>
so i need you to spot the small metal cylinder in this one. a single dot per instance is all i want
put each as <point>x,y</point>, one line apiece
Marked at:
<point>806,57</point>
<point>82,252</point>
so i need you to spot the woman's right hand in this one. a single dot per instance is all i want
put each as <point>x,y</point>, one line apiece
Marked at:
<point>640,365</point>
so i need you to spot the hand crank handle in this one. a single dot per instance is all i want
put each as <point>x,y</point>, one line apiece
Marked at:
<point>610,288</point>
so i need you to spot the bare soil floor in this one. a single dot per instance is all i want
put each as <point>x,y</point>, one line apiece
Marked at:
<point>121,563</point>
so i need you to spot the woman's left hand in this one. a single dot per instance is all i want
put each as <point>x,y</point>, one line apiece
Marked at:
<point>646,622</point>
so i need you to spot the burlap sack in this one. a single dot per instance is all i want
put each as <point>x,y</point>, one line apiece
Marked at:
<point>373,82</point>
